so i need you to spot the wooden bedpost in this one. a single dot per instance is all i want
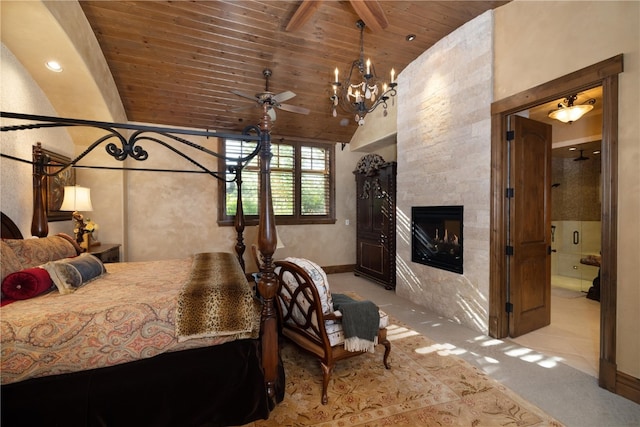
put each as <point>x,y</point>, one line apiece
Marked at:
<point>267,241</point>
<point>39,222</point>
<point>239,221</point>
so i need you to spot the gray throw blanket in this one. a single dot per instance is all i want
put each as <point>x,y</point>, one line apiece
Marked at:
<point>360,322</point>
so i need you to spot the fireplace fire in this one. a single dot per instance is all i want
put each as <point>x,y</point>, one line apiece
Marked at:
<point>436,236</point>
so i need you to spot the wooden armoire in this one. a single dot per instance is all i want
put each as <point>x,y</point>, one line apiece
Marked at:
<point>376,220</point>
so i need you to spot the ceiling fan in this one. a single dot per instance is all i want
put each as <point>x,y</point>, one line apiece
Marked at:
<point>272,100</point>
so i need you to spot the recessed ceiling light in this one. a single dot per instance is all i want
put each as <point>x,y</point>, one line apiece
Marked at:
<point>54,66</point>
<point>572,148</point>
<point>411,37</point>
<point>596,152</point>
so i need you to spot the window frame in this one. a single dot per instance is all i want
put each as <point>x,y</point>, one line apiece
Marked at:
<point>297,218</point>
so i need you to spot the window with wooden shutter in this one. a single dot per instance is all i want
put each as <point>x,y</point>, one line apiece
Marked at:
<point>302,187</point>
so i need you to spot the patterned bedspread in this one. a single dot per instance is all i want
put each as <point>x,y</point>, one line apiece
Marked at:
<point>125,315</point>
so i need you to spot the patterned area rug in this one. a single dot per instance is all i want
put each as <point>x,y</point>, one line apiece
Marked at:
<point>422,388</point>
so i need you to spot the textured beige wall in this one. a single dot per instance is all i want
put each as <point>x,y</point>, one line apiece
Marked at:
<point>529,52</point>
<point>33,31</point>
<point>379,130</point>
<point>444,158</point>
<point>21,93</point>
<point>173,215</point>
<point>329,244</point>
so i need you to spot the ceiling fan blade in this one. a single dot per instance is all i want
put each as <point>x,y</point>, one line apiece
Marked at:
<point>294,109</point>
<point>244,95</point>
<point>302,14</point>
<point>284,96</point>
<point>371,13</point>
<point>272,113</point>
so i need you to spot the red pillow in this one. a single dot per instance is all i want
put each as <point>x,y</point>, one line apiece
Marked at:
<point>27,283</point>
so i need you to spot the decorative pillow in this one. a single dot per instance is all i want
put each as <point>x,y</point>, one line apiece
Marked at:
<point>35,252</point>
<point>71,273</point>
<point>319,278</point>
<point>9,262</point>
<point>27,283</point>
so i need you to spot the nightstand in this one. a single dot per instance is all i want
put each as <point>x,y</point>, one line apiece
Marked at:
<point>106,252</point>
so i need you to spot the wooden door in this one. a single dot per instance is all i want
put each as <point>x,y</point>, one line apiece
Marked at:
<point>530,226</point>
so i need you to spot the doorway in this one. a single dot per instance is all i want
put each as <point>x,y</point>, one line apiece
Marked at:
<point>603,74</point>
<point>575,237</point>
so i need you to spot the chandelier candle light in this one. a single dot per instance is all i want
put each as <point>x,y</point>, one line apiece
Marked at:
<point>359,93</point>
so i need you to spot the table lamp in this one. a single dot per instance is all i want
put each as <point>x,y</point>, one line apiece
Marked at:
<point>77,199</point>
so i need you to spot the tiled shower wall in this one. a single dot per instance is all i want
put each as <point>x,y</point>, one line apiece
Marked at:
<point>576,210</point>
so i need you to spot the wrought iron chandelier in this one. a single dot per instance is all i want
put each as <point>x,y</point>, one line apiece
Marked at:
<point>361,92</point>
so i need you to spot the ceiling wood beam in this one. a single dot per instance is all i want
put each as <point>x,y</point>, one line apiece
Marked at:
<point>371,13</point>
<point>302,14</point>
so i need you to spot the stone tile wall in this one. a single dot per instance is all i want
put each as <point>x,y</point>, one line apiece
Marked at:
<point>444,158</point>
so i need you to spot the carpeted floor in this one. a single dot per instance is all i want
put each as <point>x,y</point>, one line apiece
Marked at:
<point>422,388</point>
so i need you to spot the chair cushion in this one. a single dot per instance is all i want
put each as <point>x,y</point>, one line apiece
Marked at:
<point>319,278</point>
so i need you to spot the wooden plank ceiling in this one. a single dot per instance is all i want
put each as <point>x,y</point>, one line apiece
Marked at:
<point>176,63</point>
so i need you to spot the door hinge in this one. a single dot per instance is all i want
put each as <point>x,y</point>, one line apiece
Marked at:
<point>509,193</point>
<point>509,250</point>
<point>511,134</point>
<point>508,307</point>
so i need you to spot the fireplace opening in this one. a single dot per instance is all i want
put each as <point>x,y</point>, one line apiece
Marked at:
<point>436,236</point>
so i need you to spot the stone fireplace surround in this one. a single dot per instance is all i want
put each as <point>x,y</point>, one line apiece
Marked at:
<point>444,158</point>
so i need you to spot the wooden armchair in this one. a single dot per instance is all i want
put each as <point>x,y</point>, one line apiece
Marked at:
<point>307,317</point>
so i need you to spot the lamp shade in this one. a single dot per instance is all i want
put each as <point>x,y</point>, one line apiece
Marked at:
<point>76,198</point>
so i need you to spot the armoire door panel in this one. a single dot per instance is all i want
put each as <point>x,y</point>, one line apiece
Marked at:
<point>372,257</point>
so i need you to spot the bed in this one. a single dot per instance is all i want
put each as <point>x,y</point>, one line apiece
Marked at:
<point>132,346</point>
